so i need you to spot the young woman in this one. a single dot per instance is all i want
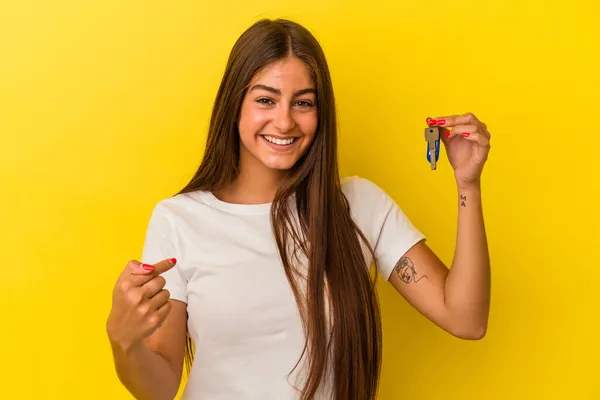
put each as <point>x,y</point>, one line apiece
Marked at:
<point>258,271</point>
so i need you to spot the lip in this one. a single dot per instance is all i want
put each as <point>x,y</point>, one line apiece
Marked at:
<point>280,137</point>
<point>277,147</point>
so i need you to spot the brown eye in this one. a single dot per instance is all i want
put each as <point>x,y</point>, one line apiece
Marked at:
<point>264,101</point>
<point>304,104</point>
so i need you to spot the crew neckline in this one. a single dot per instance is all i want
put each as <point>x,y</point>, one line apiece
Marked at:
<point>210,199</point>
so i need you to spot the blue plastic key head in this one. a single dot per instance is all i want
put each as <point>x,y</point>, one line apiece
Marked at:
<point>437,152</point>
<point>432,136</point>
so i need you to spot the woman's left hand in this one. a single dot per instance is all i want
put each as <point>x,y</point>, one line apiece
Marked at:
<point>467,143</point>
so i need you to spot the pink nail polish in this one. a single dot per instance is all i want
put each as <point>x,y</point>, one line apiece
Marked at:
<point>148,267</point>
<point>466,134</point>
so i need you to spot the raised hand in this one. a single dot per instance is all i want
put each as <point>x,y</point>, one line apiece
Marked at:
<point>467,143</point>
<point>139,304</point>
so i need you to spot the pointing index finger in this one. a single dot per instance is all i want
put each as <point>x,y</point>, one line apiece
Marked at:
<point>453,120</point>
<point>159,268</point>
<point>164,266</point>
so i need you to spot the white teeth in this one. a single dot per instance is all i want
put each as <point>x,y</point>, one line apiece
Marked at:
<point>281,142</point>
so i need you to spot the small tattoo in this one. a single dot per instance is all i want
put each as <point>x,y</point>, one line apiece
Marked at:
<point>406,271</point>
<point>463,199</point>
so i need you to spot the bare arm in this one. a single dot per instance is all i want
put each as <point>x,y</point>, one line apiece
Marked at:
<point>151,370</point>
<point>468,283</point>
<point>456,300</point>
<point>147,332</point>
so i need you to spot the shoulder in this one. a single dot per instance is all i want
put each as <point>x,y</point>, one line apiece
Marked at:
<point>360,191</point>
<point>178,206</point>
<point>178,201</point>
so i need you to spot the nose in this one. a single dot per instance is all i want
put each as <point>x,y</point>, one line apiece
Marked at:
<point>284,121</point>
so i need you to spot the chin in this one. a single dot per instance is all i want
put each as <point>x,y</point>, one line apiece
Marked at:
<point>282,164</point>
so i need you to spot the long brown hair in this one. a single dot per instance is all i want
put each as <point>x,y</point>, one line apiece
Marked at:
<point>338,279</point>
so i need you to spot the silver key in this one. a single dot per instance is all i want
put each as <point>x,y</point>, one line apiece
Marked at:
<point>432,136</point>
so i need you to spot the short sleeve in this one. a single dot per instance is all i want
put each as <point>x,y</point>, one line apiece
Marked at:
<point>389,230</point>
<point>158,246</point>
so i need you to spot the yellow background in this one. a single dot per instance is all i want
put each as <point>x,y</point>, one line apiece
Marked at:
<point>103,112</point>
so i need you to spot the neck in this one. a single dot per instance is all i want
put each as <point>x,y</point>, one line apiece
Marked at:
<point>256,184</point>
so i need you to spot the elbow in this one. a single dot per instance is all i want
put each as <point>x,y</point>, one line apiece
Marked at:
<point>475,332</point>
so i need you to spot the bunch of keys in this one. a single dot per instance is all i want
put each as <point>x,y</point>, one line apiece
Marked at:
<point>432,136</point>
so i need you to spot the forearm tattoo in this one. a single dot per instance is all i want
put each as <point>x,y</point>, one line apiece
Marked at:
<point>405,269</point>
<point>463,201</point>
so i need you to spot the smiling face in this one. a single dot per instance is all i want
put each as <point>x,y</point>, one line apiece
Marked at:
<point>278,118</point>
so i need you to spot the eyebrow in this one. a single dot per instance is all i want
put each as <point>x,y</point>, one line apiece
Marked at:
<point>278,92</point>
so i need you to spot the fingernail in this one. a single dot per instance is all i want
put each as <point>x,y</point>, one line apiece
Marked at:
<point>148,267</point>
<point>430,121</point>
<point>173,261</point>
<point>440,121</point>
<point>466,134</point>
<point>447,134</point>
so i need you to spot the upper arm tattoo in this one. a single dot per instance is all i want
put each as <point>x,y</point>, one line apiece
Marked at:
<point>406,271</point>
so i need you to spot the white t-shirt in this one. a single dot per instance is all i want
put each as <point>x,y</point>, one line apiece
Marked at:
<point>242,314</point>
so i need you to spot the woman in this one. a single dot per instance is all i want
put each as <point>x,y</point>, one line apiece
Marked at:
<point>258,270</point>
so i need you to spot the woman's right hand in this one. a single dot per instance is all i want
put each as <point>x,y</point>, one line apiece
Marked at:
<point>139,304</point>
